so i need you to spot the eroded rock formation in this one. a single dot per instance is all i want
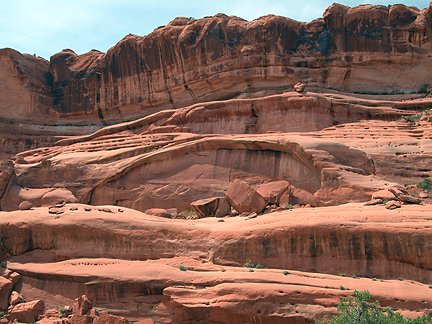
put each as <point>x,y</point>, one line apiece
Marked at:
<point>184,114</point>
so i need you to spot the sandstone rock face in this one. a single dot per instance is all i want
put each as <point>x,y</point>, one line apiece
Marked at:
<point>191,61</point>
<point>27,312</point>
<point>217,207</point>
<point>245,199</point>
<point>197,109</point>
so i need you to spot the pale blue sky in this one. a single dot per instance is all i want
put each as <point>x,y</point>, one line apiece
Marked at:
<point>45,27</point>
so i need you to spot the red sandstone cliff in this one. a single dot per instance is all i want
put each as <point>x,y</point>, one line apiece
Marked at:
<point>366,48</point>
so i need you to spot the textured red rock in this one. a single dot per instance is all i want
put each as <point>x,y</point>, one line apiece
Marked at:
<point>384,195</point>
<point>5,291</point>
<point>273,191</point>
<point>217,207</point>
<point>82,305</point>
<point>15,298</point>
<point>244,198</point>
<point>110,319</point>
<point>158,212</point>
<point>27,312</point>
<point>209,102</point>
<point>302,197</point>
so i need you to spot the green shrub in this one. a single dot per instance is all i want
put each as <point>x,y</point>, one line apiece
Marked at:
<point>2,314</point>
<point>223,270</point>
<point>342,287</point>
<point>359,309</point>
<point>183,268</point>
<point>374,279</point>
<point>289,206</point>
<point>425,184</point>
<point>342,275</point>
<point>202,261</point>
<point>354,276</point>
<point>285,273</point>
<point>63,311</point>
<point>250,264</point>
<point>423,88</point>
<point>251,270</point>
<point>188,213</point>
<point>400,279</point>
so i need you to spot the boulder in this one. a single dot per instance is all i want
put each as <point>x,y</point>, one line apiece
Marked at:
<point>82,305</point>
<point>409,199</point>
<point>27,312</point>
<point>244,198</point>
<point>423,195</point>
<point>14,277</point>
<point>160,212</point>
<point>5,290</point>
<point>52,313</point>
<point>16,298</point>
<point>110,319</point>
<point>273,191</point>
<point>373,202</point>
<point>56,195</point>
<point>392,204</point>
<point>302,197</point>
<point>299,87</point>
<point>79,319</point>
<point>25,205</point>
<point>209,207</point>
<point>384,195</point>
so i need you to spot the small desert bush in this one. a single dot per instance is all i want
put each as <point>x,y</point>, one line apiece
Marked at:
<point>183,268</point>
<point>250,264</point>
<point>285,273</point>
<point>359,309</point>
<point>425,184</point>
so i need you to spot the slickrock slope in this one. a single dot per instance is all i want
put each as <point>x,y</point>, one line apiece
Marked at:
<point>91,142</point>
<point>352,239</point>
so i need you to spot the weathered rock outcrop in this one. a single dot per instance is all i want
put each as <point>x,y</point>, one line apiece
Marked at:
<point>219,57</point>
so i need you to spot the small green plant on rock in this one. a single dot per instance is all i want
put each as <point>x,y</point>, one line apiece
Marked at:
<point>183,268</point>
<point>400,279</point>
<point>342,287</point>
<point>223,270</point>
<point>289,206</point>
<point>342,274</point>
<point>374,279</point>
<point>285,273</point>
